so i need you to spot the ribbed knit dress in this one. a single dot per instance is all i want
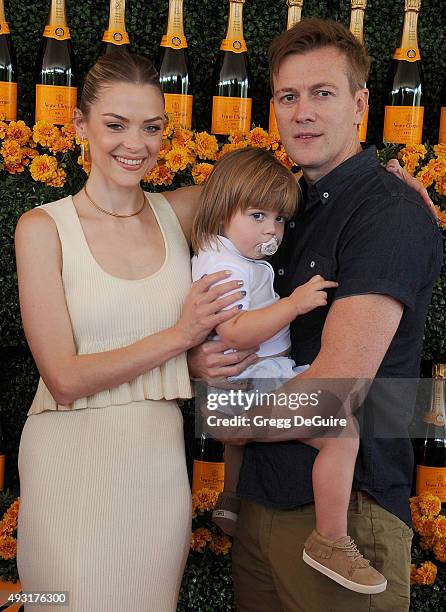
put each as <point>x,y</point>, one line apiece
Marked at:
<point>105,510</point>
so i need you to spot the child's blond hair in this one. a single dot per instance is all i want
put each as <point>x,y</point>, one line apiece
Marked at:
<point>243,179</point>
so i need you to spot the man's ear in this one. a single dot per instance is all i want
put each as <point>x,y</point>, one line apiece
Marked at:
<point>361,102</point>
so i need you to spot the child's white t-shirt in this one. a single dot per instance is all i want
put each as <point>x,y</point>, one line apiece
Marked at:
<point>258,278</point>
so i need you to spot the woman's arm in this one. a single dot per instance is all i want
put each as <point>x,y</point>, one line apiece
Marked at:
<point>47,324</point>
<point>256,326</point>
<point>184,202</point>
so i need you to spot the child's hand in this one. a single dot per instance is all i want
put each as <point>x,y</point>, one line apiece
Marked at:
<point>309,296</point>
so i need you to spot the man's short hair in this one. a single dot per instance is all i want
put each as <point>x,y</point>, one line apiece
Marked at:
<point>311,34</point>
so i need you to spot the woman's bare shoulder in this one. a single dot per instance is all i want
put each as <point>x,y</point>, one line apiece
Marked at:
<point>184,202</point>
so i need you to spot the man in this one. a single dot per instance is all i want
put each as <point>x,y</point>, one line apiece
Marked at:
<point>373,235</point>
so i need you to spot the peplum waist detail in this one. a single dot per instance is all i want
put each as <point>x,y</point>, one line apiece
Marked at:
<point>170,381</point>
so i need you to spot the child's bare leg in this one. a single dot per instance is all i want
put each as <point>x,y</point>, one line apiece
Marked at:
<point>332,483</point>
<point>226,511</point>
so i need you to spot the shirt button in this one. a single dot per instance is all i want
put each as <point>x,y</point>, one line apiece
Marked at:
<point>325,194</point>
<point>291,224</point>
<point>312,264</point>
<point>280,271</point>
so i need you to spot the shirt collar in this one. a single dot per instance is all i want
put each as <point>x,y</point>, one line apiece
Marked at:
<point>332,184</point>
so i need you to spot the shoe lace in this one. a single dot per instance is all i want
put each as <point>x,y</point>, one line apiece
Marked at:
<point>349,546</point>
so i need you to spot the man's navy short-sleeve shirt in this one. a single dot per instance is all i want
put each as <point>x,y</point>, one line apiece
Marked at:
<point>364,228</point>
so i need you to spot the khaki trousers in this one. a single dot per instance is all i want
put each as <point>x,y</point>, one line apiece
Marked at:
<point>270,575</point>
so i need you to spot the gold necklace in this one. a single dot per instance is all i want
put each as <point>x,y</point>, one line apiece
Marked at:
<point>108,212</point>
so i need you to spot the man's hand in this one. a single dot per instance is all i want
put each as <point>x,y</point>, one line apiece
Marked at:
<point>214,361</point>
<point>394,166</point>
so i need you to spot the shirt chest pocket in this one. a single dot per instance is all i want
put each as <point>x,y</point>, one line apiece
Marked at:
<point>311,264</point>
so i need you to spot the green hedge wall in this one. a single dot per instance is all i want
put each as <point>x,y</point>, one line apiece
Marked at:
<point>205,26</point>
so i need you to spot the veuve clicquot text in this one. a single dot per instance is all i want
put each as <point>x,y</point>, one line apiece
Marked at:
<point>8,71</point>
<point>403,117</point>
<point>294,16</point>
<point>357,28</point>
<point>56,75</point>
<point>115,36</point>
<point>442,131</point>
<point>231,103</point>
<point>431,462</point>
<point>209,467</point>
<point>174,74</point>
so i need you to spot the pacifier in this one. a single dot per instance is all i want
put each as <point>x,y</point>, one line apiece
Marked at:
<point>268,248</point>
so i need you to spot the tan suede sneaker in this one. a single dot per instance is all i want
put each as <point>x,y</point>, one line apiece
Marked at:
<point>226,512</point>
<point>341,561</point>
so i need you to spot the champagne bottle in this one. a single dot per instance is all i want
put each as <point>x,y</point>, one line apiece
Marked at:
<point>8,71</point>
<point>294,16</point>
<point>209,467</point>
<point>403,118</point>
<point>174,75</point>
<point>442,132</point>
<point>431,464</point>
<point>357,28</point>
<point>115,36</point>
<point>231,103</point>
<point>56,90</point>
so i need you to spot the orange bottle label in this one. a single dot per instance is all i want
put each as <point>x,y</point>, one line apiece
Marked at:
<point>236,45</point>
<point>442,134</point>
<point>362,128</point>
<point>8,100</point>
<point>59,32</point>
<point>231,114</point>
<point>4,27</point>
<point>432,480</point>
<point>116,37</point>
<point>55,104</point>
<point>407,55</point>
<point>209,475</point>
<point>272,126</point>
<point>179,109</point>
<point>174,41</point>
<point>403,124</point>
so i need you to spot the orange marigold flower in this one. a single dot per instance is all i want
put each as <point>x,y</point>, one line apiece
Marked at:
<point>424,526</point>
<point>206,145</point>
<point>44,133</point>
<point>425,574</point>
<point>200,538</point>
<point>44,168</point>
<point>18,130</point>
<point>159,175</point>
<point>168,129</point>
<point>12,152</point>
<point>183,138</point>
<point>440,527</point>
<point>204,499</point>
<point>440,550</point>
<point>440,150</point>
<point>437,167</point>
<point>237,137</point>
<point>165,148</point>
<point>427,543</point>
<point>177,159</point>
<point>220,544</point>
<point>258,137</point>
<point>429,505</point>
<point>425,177</point>
<point>201,172</point>
<point>283,157</point>
<point>8,547</point>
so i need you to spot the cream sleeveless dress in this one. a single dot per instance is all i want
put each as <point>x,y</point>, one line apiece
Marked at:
<point>105,511</point>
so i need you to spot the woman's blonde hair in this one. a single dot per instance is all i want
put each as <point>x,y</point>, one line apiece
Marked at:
<point>245,178</point>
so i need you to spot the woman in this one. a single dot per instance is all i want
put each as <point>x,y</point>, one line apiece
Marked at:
<point>105,500</point>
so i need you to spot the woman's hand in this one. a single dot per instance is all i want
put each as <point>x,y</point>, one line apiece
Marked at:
<point>214,362</point>
<point>394,167</point>
<point>203,307</point>
<point>310,295</point>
